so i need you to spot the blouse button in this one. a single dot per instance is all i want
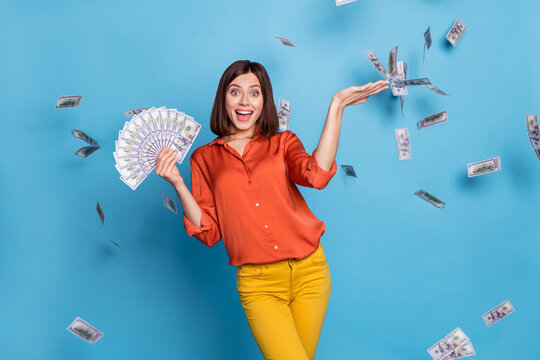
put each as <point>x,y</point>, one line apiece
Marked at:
<point>266,226</point>
<point>275,247</point>
<point>257,204</point>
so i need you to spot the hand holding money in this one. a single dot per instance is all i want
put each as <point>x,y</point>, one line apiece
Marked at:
<point>166,166</point>
<point>355,95</point>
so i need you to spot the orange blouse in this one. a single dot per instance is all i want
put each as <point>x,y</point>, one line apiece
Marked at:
<point>252,202</point>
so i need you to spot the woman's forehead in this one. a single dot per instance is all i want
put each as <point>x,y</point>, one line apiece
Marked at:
<point>246,80</point>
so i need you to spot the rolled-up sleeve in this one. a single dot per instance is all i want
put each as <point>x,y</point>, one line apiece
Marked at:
<point>303,168</point>
<point>209,233</point>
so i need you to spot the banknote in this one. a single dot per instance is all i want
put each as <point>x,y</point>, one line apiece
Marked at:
<point>77,134</point>
<point>484,167</point>
<point>392,62</point>
<point>284,114</point>
<point>375,62</point>
<point>169,204</point>
<point>343,2</point>
<point>430,198</point>
<point>456,32</point>
<point>398,82</point>
<point>427,42</point>
<point>498,312</point>
<point>534,134</point>
<point>403,144</point>
<point>415,82</point>
<point>100,213</point>
<point>450,342</point>
<point>285,42</point>
<point>402,102</point>
<point>86,151</point>
<point>68,101</point>
<point>133,112</point>
<point>115,243</point>
<point>436,90</point>
<point>434,119</point>
<point>463,351</point>
<point>145,135</point>
<point>427,38</point>
<point>349,170</point>
<point>85,331</point>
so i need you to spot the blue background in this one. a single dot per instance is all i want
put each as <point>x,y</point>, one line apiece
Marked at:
<point>404,274</point>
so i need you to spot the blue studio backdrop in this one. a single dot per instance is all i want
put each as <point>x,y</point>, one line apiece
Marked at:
<point>404,274</point>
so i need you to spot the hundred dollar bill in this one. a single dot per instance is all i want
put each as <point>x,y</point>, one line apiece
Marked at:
<point>497,313</point>
<point>414,82</point>
<point>450,342</point>
<point>349,170</point>
<point>463,351</point>
<point>77,134</point>
<point>433,120</point>
<point>436,90</point>
<point>85,331</point>
<point>430,198</point>
<point>534,134</point>
<point>100,213</point>
<point>169,204</point>
<point>484,167</point>
<point>392,62</point>
<point>398,82</point>
<point>68,101</point>
<point>427,38</point>
<point>284,114</point>
<point>402,101</point>
<point>456,32</point>
<point>133,112</point>
<point>343,2</point>
<point>403,144</point>
<point>378,65</point>
<point>285,42</point>
<point>86,151</point>
<point>427,42</point>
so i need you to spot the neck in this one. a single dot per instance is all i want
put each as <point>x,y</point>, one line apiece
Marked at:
<point>249,134</point>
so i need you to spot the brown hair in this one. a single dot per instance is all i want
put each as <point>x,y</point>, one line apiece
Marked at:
<point>220,124</point>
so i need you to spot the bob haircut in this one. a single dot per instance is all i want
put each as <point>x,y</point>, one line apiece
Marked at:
<point>268,123</point>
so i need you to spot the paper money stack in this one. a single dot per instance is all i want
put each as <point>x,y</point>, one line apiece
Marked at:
<point>498,312</point>
<point>143,137</point>
<point>454,345</point>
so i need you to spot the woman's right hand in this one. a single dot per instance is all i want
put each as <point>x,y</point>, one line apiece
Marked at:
<point>166,166</point>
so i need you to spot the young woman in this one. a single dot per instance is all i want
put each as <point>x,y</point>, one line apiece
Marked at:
<point>243,190</point>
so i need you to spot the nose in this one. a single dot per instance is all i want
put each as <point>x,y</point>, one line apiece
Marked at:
<point>244,100</point>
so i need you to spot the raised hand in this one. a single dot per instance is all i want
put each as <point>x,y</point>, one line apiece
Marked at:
<point>166,166</point>
<point>355,95</point>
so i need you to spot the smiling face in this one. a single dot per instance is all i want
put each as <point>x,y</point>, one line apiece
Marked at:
<point>244,104</point>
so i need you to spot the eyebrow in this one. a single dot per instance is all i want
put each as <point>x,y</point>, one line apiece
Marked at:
<point>240,86</point>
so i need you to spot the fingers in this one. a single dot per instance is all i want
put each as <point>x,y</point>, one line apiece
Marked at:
<point>165,160</point>
<point>172,163</point>
<point>370,86</point>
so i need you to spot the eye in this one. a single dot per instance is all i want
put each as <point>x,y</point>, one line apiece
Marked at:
<point>255,93</point>
<point>234,92</point>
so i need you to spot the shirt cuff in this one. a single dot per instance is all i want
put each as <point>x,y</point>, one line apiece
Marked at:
<point>194,230</point>
<point>319,177</point>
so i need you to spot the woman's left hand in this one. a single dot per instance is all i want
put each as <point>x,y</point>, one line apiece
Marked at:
<point>355,95</point>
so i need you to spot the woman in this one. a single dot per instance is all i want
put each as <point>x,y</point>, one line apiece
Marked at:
<point>244,191</point>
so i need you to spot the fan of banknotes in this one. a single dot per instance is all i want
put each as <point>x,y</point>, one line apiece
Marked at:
<point>143,137</point>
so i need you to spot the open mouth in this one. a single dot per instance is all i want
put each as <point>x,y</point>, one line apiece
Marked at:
<point>243,115</point>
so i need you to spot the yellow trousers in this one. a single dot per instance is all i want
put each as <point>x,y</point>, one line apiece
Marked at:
<point>285,304</point>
